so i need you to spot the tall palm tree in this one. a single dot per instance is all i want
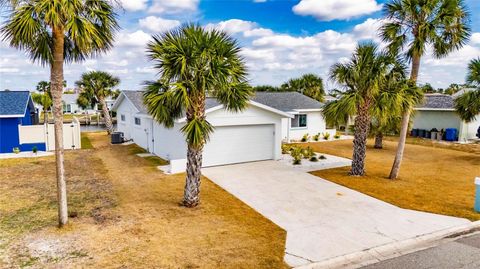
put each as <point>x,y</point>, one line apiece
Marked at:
<point>95,87</point>
<point>194,64</point>
<point>44,98</point>
<point>412,26</point>
<point>362,77</point>
<point>468,104</point>
<point>54,32</point>
<point>310,85</point>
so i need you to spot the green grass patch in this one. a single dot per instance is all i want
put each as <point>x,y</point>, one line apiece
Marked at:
<point>156,161</point>
<point>86,143</point>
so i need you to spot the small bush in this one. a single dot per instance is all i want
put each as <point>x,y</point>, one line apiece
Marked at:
<point>316,137</point>
<point>16,150</point>
<point>34,149</point>
<point>297,154</point>
<point>286,149</point>
<point>336,136</point>
<point>305,138</point>
<point>322,157</point>
<point>314,159</point>
<point>326,136</point>
<point>308,153</point>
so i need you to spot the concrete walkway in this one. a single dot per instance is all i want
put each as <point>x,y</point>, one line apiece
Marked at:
<point>323,220</point>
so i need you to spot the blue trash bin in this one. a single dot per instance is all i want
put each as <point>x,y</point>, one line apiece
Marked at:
<point>451,134</point>
<point>477,196</point>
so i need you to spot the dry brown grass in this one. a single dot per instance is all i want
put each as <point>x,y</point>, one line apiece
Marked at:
<point>432,179</point>
<point>147,228</point>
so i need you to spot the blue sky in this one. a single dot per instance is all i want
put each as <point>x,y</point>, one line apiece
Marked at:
<point>281,39</point>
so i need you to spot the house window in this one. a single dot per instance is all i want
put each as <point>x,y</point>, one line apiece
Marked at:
<point>300,121</point>
<point>137,121</point>
<point>122,117</point>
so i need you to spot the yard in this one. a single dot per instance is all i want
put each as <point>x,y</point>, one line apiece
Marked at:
<point>432,179</point>
<point>125,213</point>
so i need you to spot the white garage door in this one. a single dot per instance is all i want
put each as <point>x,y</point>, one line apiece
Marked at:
<point>237,144</point>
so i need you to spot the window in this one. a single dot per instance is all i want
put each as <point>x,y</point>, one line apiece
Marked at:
<point>137,121</point>
<point>300,121</point>
<point>122,117</point>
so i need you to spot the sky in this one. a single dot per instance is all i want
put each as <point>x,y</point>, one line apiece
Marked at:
<point>280,39</point>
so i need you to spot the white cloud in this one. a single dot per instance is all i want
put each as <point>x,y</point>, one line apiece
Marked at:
<point>9,70</point>
<point>157,24</point>
<point>258,32</point>
<point>136,39</point>
<point>134,5</point>
<point>173,6</point>
<point>476,38</point>
<point>328,10</point>
<point>232,26</point>
<point>368,29</point>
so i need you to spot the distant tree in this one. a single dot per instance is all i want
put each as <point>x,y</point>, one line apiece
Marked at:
<point>43,98</point>
<point>266,88</point>
<point>453,88</point>
<point>95,87</point>
<point>310,85</point>
<point>468,104</point>
<point>427,88</point>
<point>411,26</point>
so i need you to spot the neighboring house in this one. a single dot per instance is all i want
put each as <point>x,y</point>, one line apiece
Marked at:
<point>16,110</point>
<point>307,114</point>
<point>70,105</point>
<point>438,111</point>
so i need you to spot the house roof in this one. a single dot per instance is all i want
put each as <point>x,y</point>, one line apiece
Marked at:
<point>437,101</point>
<point>286,101</point>
<point>14,103</point>
<point>70,98</point>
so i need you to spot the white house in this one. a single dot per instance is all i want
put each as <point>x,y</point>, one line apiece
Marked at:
<point>251,135</point>
<point>437,111</point>
<point>70,105</point>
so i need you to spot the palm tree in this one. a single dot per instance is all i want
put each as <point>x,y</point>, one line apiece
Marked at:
<point>362,78</point>
<point>194,64</point>
<point>96,86</point>
<point>310,85</point>
<point>54,32</point>
<point>468,104</point>
<point>411,27</point>
<point>44,98</point>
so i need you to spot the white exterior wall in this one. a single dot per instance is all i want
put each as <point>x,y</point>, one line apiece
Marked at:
<point>39,134</point>
<point>169,143</point>
<point>126,108</point>
<point>428,120</point>
<point>315,124</point>
<point>469,130</point>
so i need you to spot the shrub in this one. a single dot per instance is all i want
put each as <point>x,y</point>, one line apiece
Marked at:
<point>314,159</point>
<point>16,150</point>
<point>35,149</point>
<point>326,135</point>
<point>286,149</point>
<point>297,154</point>
<point>305,138</point>
<point>316,137</point>
<point>308,153</point>
<point>322,157</point>
<point>336,136</point>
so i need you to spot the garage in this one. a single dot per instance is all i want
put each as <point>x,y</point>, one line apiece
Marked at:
<point>240,143</point>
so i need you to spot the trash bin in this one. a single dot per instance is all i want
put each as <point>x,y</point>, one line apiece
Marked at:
<point>477,196</point>
<point>434,135</point>
<point>451,134</point>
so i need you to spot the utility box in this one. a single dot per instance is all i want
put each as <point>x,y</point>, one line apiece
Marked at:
<point>477,196</point>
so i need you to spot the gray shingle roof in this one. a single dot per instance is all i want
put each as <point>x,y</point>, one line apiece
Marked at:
<point>137,99</point>
<point>13,102</point>
<point>437,101</point>
<point>286,101</point>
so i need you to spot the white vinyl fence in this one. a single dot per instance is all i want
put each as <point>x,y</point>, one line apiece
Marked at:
<point>40,134</point>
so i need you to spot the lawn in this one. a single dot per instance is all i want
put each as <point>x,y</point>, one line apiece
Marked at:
<point>85,140</point>
<point>128,215</point>
<point>432,179</point>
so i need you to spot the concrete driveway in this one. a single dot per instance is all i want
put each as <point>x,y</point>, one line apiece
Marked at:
<point>323,220</point>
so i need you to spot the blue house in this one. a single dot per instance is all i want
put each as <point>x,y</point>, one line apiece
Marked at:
<point>16,108</point>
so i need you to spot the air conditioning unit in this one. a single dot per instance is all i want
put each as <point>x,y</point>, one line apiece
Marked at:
<point>117,138</point>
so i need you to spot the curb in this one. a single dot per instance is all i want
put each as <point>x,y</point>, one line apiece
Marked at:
<point>392,250</point>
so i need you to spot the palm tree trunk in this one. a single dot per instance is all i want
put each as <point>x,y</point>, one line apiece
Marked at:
<point>405,121</point>
<point>191,196</point>
<point>45,116</point>
<point>106,116</point>
<point>362,124</point>
<point>379,140</point>
<point>56,79</point>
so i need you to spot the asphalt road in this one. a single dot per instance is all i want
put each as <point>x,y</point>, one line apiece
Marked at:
<point>463,253</point>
